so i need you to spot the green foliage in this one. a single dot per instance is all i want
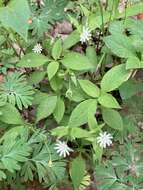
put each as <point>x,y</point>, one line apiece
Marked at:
<point>78,174</point>
<point>10,115</point>
<point>110,81</point>
<point>123,171</point>
<point>16,91</point>
<point>32,60</point>
<point>15,16</point>
<point>70,98</point>
<point>77,62</point>
<point>46,107</point>
<point>49,13</point>
<point>28,153</point>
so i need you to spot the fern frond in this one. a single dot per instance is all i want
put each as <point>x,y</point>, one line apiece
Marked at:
<point>16,91</point>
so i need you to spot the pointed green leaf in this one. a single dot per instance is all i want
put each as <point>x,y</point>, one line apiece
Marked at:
<point>89,88</point>
<point>52,69</point>
<point>79,115</point>
<point>114,78</point>
<point>32,60</point>
<point>10,115</point>
<point>108,101</point>
<point>77,171</point>
<point>112,118</point>
<point>57,49</point>
<point>59,110</point>
<point>134,63</point>
<point>77,61</point>
<point>46,107</point>
<point>120,45</point>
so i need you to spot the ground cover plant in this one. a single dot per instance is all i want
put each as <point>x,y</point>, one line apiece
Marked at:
<point>71,114</point>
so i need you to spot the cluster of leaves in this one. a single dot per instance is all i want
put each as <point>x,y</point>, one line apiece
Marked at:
<point>72,91</point>
<point>123,171</point>
<point>28,154</point>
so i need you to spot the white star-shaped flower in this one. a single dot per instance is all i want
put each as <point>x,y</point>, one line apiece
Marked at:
<point>85,35</point>
<point>104,139</point>
<point>41,2</point>
<point>37,48</point>
<point>62,148</point>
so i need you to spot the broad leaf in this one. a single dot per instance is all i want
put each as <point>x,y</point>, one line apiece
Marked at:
<point>77,171</point>
<point>114,78</point>
<point>46,107</point>
<point>112,118</point>
<point>32,60</point>
<point>59,110</point>
<point>89,88</point>
<point>77,61</point>
<point>108,101</point>
<point>133,87</point>
<point>134,63</point>
<point>57,49</point>
<point>71,40</point>
<point>52,69</point>
<point>92,56</point>
<point>10,115</point>
<point>16,16</point>
<point>79,115</point>
<point>120,45</point>
<point>36,77</point>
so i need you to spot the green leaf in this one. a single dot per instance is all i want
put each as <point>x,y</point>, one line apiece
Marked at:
<point>57,49</point>
<point>89,88</point>
<point>77,171</point>
<point>2,175</point>
<point>114,78</point>
<point>14,151</point>
<point>79,133</point>
<point>16,16</point>
<point>36,77</point>
<point>133,87</point>
<point>112,118</point>
<point>77,61</point>
<point>106,177</point>
<point>60,131</point>
<point>10,115</point>
<point>108,101</point>
<point>59,110</point>
<point>134,63</point>
<point>32,60</point>
<point>56,83</point>
<point>71,40</point>
<point>120,45</point>
<point>79,115</point>
<point>92,56</point>
<point>46,107</point>
<point>52,69</point>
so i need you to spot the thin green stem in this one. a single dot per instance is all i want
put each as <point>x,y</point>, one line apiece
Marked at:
<point>102,15</point>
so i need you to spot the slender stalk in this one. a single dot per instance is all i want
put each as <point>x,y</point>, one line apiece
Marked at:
<point>102,15</point>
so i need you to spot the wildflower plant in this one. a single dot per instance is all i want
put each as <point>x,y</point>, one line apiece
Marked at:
<point>71,94</point>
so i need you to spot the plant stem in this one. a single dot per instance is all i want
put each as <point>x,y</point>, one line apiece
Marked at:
<point>102,15</point>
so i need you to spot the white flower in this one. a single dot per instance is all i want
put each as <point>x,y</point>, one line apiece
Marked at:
<point>62,148</point>
<point>85,35</point>
<point>41,2</point>
<point>122,6</point>
<point>104,139</point>
<point>37,48</point>
<point>103,1</point>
